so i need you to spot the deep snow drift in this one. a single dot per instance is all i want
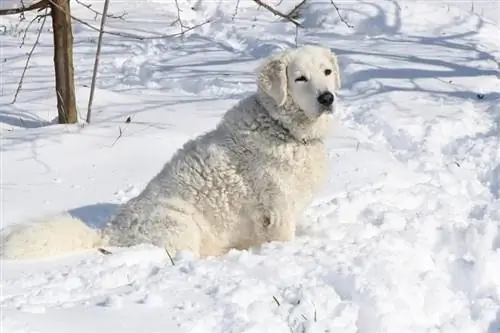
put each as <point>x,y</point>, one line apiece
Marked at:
<point>404,238</point>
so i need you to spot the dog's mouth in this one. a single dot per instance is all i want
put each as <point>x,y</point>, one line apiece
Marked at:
<point>326,109</point>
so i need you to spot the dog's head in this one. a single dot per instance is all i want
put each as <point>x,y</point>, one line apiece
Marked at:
<point>306,77</point>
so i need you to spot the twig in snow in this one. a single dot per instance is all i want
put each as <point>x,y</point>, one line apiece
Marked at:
<point>170,257</point>
<point>118,137</point>
<point>276,300</point>
<point>278,13</point>
<point>30,54</point>
<point>104,251</point>
<point>129,35</point>
<point>98,13</point>
<point>342,19</point>
<point>236,9</point>
<point>96,62</point>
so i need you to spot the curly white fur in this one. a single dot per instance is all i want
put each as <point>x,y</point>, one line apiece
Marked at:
<point>240,185</point>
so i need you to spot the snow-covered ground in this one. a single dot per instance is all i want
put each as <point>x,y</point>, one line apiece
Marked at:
<point>405,237</point>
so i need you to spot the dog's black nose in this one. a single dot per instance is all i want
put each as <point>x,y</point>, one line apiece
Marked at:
<point>326,98</point>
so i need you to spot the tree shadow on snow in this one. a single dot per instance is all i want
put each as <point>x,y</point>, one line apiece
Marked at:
<point>494,326</point>
<point>22,119</point>
<point>444,56</point>
<point>95,216</point>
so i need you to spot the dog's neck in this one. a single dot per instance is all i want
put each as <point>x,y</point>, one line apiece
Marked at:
<point>289,136</point>
<point>303,135</point>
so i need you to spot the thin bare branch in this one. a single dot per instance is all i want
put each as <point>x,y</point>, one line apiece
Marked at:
<point>98,13</point>
<point>236,9</point>
<point>21,15</point>
<point>296,9</point>
<point>120,133</point>
<point>278,13</point>
<point>38,17</point>
<point>342,19</point>
<point>96,63</point>
<point>296,36</point>
<point>39,5</point>
<point>129,35</point>
<point>295,13</point>
<point>30,54</point>
<point>179,17</point>
<point>170,257</point>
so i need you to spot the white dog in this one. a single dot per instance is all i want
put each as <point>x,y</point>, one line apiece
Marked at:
<point>240,185</point>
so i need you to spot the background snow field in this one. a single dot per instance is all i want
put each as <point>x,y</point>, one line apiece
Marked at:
<point>404,238</point>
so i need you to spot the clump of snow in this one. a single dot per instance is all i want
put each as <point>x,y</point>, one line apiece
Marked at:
<point>404,237</point>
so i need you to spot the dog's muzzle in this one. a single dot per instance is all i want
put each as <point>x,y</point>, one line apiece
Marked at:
<point>326,99</point>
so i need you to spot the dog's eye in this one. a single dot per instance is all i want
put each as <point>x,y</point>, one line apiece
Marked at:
<point>301,79</point>
<point>328,72</point>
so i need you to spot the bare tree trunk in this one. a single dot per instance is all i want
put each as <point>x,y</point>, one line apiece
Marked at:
<point>63,61</point>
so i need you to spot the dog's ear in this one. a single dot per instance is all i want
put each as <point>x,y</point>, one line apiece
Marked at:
<point>272,78</point>
<point>335,66</point>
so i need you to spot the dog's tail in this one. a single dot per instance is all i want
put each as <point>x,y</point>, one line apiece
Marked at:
<point>51,236</point>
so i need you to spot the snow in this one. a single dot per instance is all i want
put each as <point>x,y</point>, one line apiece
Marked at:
<point>405,236</point>
<point>11,4</point>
